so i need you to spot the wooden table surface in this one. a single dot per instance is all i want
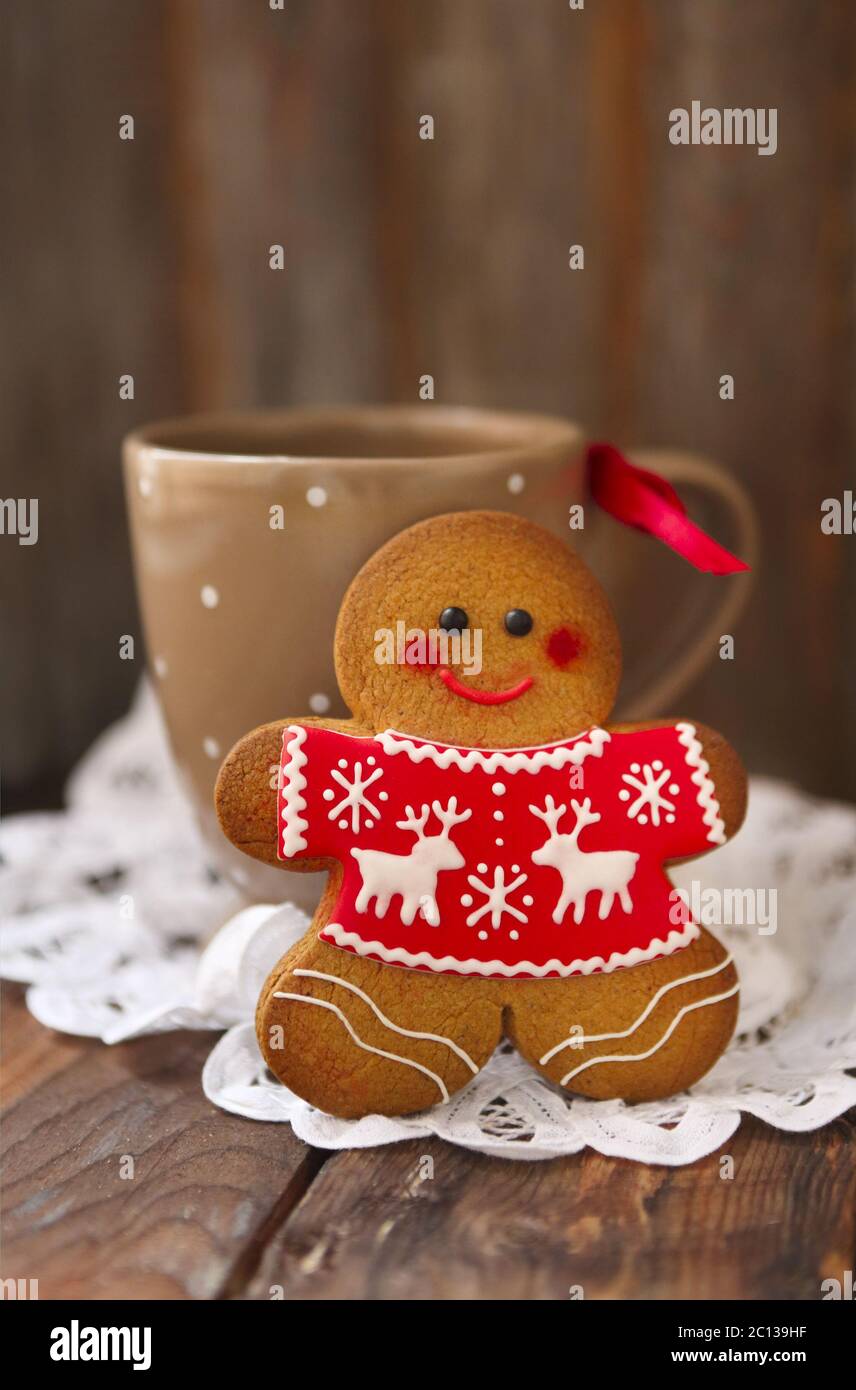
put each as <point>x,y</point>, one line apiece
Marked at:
<point>222,1207</point>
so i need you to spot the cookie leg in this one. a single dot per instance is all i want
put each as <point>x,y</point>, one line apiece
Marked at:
<point>354,1037</point>
<point>638,1034</point>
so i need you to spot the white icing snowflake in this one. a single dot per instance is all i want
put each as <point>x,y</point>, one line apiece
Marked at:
<point>650,798</point>
<point>497,897</point>
<point>355,798</point>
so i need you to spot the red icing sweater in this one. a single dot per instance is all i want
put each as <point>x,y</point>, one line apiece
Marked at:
<point>513,862</point>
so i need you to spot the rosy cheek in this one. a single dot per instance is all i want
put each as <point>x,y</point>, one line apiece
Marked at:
<point>563,646</point>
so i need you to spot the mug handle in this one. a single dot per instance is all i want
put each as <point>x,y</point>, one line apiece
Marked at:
<point>693,636</point>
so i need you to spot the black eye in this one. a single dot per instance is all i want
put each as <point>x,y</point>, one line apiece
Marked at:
<point>453,620</point>
<point>518,622</point>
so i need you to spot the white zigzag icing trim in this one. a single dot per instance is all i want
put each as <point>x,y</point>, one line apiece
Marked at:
<point>503,760</point>
<point>337,934</point>
<point>706,791</point>
<point>293,803</point>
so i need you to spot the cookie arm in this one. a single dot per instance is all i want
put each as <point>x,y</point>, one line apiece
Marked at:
<point>246,794</point>
<point>726,770</point>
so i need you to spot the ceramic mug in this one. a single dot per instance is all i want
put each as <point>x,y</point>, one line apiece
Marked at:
<point>247,527</point>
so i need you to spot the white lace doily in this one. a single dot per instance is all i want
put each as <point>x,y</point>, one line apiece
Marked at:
<point>106,907</point>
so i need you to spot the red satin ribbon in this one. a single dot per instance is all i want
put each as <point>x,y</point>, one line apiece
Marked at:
<point>648,502</point>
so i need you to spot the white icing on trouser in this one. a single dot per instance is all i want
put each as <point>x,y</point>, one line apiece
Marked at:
<point>405,1032</point>
<point>582,1040</point>
<point>367,1047</point>
<point>641,1056</point>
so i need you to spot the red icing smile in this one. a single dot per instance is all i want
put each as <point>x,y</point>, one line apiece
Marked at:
<point>484,697</point>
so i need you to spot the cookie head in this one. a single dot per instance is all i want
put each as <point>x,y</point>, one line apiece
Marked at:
<point>478,628</point>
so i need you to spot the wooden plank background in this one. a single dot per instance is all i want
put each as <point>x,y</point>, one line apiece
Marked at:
<point>219,1207</point>
<point>299,126</point>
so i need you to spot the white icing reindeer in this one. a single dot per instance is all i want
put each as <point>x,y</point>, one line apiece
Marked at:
<point>413,875</point>
<point>604,871</point>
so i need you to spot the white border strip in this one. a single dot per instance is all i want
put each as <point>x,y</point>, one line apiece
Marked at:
<point>706,791</point>
<point>348,940</point>
<point>292,801</point>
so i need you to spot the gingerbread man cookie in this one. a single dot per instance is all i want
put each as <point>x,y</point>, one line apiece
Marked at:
<point>496,848</point>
